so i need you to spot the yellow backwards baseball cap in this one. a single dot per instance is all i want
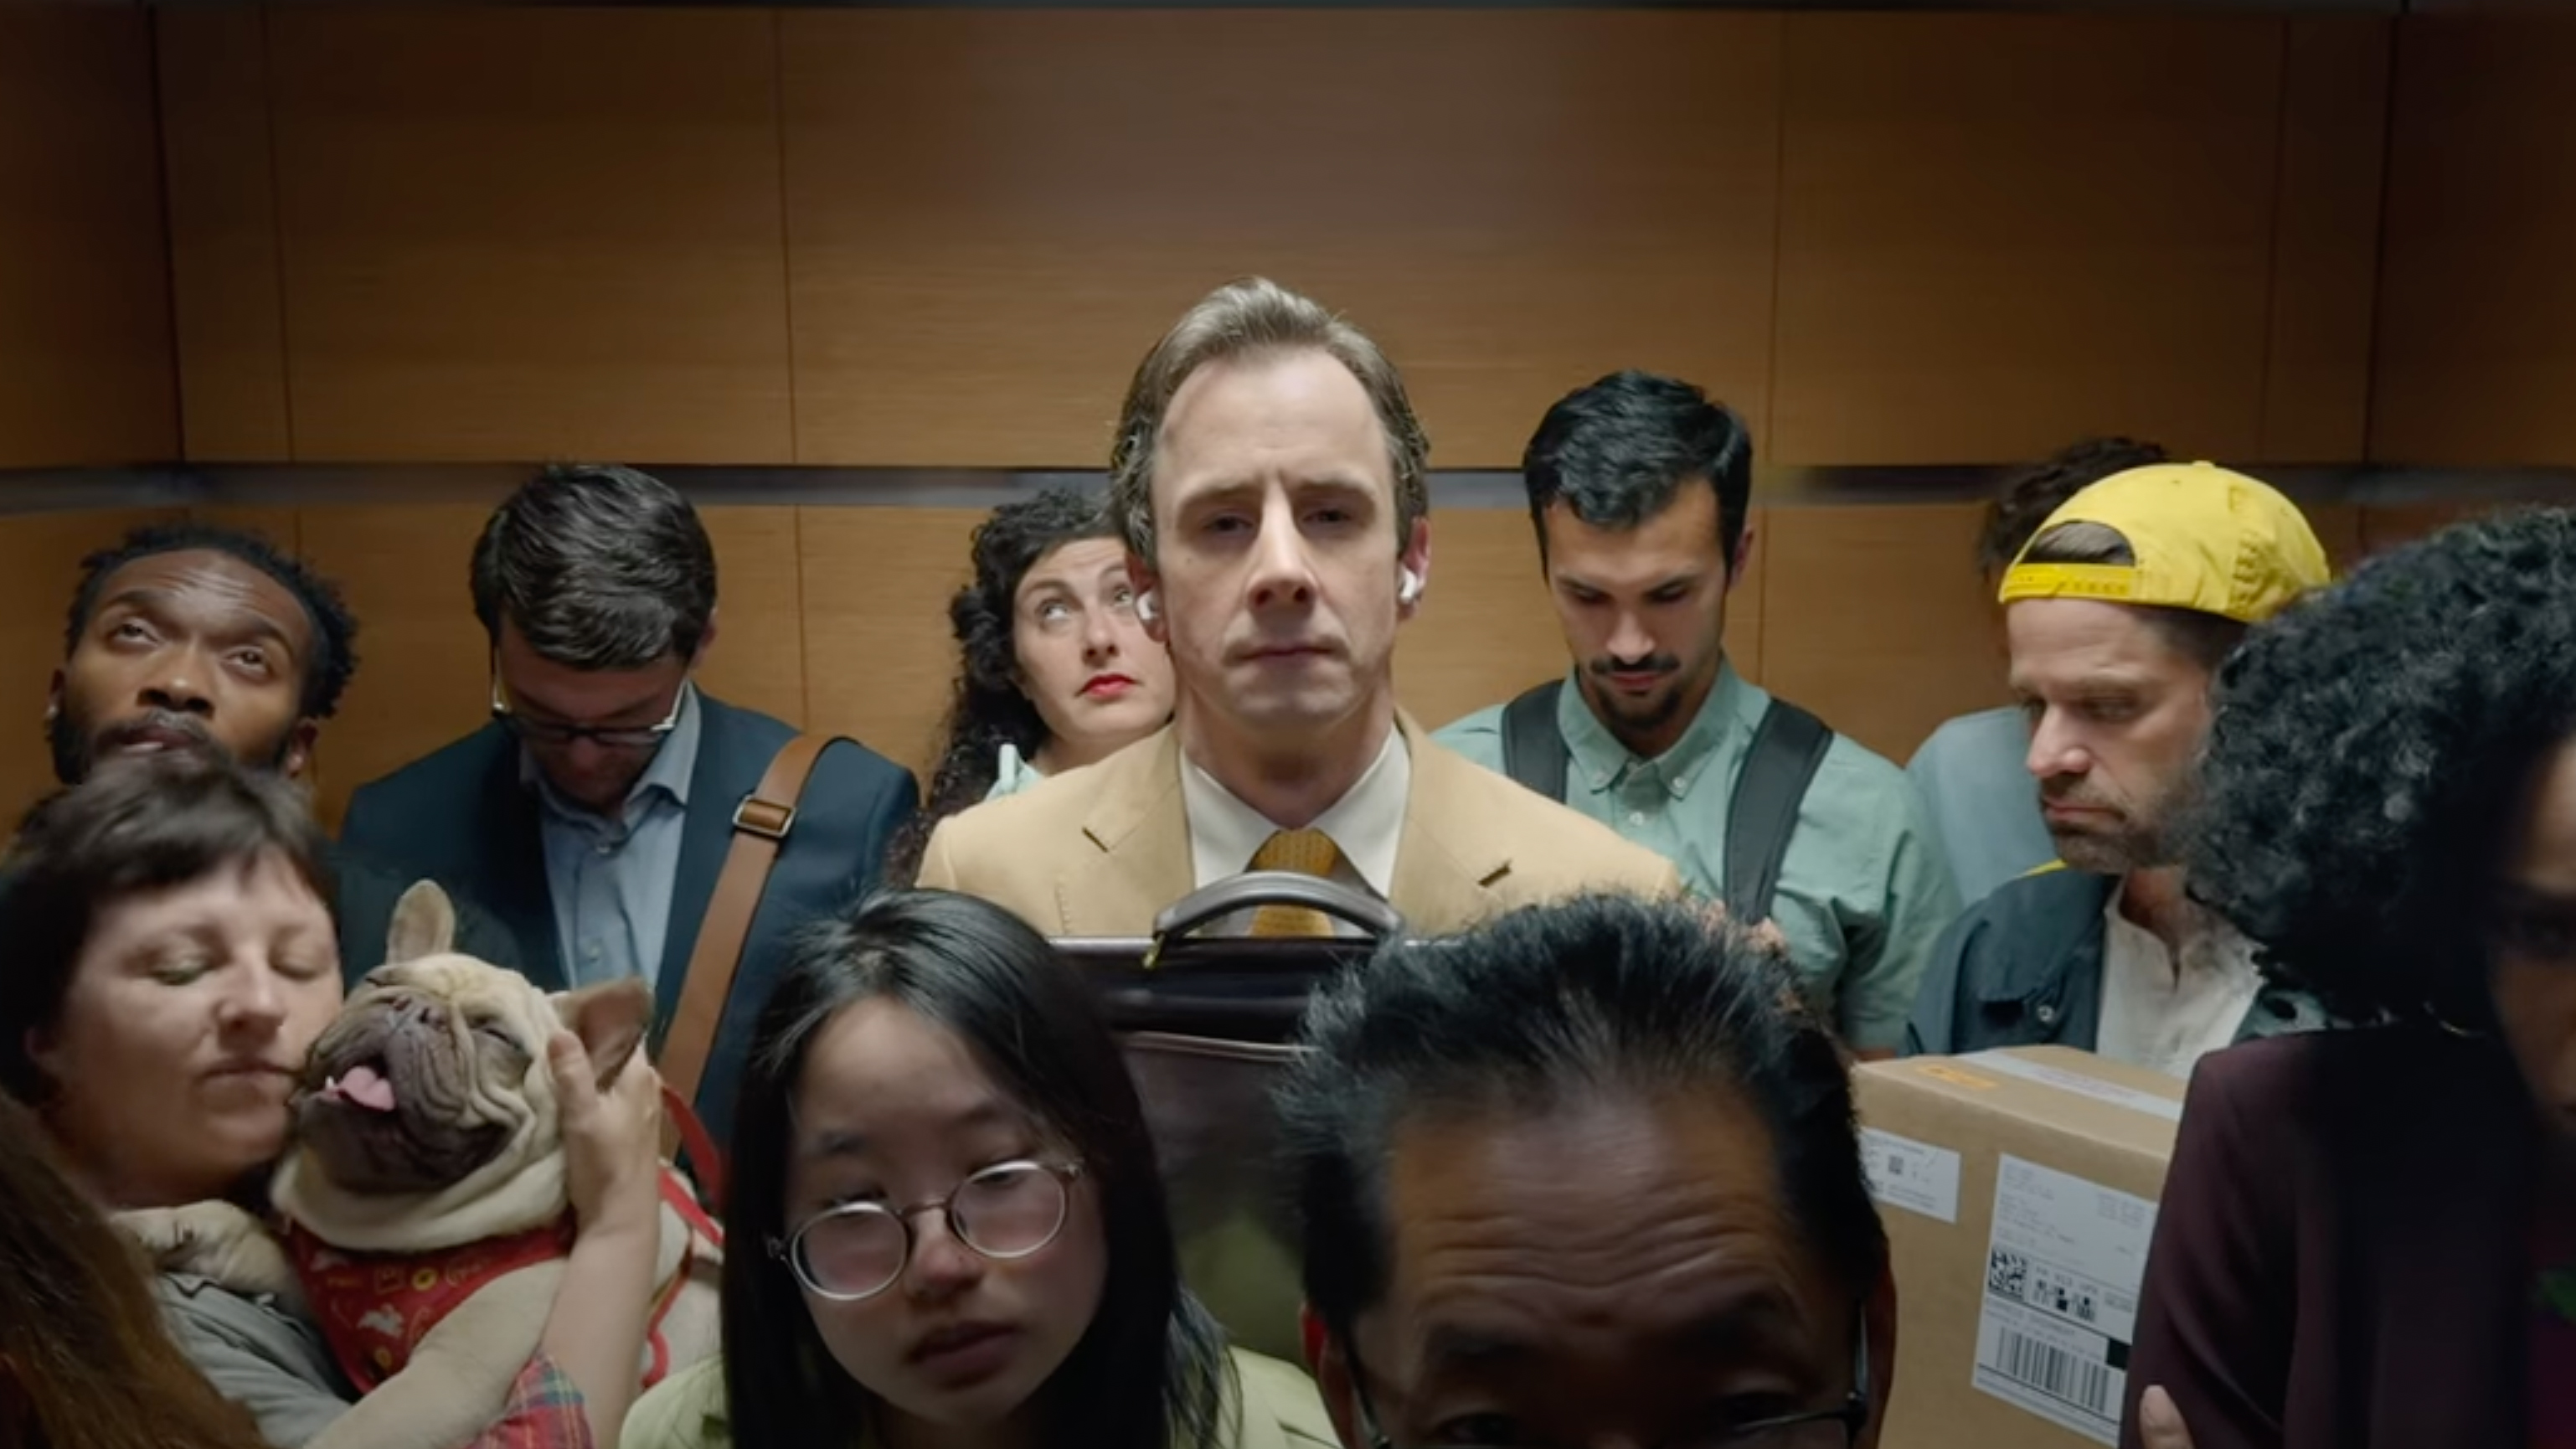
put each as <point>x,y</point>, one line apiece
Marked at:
<point>2204,538</point>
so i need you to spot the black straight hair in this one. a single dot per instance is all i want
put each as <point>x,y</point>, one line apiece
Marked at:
<point>1150,1371</point>
<point>1619,451</point>
<point>1546,1006</point>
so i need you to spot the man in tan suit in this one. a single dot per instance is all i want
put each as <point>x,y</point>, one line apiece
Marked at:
<point>1268,476</point>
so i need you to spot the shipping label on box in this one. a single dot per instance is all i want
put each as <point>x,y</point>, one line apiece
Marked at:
<point>1911,1174</point>
<point>2063,1265</point>
<point>2018,1189</point>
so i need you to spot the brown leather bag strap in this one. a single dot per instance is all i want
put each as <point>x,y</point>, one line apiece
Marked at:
<point>760,826</point>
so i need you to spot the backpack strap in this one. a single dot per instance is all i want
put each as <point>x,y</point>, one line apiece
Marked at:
<point>1533,747</point>
<point>760,827</point>
<point>1787,748</point>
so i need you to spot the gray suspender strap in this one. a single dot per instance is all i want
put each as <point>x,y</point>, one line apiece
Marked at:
<point>1788,747</point>
<point>1533,747</point>
<point>1763,813</point>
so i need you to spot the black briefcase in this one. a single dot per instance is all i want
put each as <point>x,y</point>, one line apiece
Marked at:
<point>1208,1022</point>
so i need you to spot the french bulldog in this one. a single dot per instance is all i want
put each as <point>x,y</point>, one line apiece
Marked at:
<point>426,1220</point>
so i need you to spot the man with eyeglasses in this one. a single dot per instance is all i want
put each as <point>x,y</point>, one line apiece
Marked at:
<point>1583,1176</point>
<point>594,814</point>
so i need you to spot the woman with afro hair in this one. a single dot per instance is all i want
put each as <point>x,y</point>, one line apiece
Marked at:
<point>1055,669</point>
<point>2368,1238</point>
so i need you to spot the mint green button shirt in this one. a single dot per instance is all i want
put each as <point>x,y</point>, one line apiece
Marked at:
<point>1864,892</point>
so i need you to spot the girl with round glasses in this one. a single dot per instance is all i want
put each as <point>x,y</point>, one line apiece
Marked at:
<point>947,1225</point>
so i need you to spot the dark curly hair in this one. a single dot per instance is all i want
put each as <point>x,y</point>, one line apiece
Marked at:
<point>989,710</point>
<point>2032,494</point>
<point>335,631</point>
<point>2371,744</point>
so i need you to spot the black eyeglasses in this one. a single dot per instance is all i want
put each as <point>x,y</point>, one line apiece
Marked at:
<point>607,737</point>
<point>1835,1428</point>
<point>858,1250</point>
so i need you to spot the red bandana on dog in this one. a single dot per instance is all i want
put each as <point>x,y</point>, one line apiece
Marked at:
<point>375,1308</point>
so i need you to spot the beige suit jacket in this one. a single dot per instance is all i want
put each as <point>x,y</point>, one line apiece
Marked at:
<point>1100,851</point>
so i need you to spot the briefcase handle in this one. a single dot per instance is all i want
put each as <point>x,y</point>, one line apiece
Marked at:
<point>1277,888</point>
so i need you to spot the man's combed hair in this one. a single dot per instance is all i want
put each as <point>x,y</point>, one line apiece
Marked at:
<point>334,655</point>
<point>1616,453</point>
<point>145,824</point>
<point>1550,1006</point>
<point>597,567</point>
<point>1257,317</point>
<point>2372,748</point>
<point>2030,496</point>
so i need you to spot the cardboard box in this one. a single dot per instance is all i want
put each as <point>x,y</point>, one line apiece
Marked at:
<point>2019,1191</point>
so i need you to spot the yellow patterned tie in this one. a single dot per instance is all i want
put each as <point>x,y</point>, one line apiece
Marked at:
<point>1307,852</point>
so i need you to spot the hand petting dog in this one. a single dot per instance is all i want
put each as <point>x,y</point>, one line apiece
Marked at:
<point>475,1180</point>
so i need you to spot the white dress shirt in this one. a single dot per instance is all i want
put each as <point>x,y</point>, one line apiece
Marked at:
<point>2165,1018</point>
<point>1365,826</point>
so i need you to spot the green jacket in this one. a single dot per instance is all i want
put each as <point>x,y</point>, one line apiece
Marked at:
<point>1273,1406</point>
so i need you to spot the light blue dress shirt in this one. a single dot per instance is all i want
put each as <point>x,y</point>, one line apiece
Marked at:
<point>611,880</point>
<point>1982,800</point>
<point>1012,773</point>
<point>1863,893</point>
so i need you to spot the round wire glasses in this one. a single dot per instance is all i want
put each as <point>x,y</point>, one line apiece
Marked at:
<point>857,1250</point>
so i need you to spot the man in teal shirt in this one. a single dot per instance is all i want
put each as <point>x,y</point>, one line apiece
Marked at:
<point>1638,488</point>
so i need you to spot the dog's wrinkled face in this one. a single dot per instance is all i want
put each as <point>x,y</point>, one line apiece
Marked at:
<point>426,1075</point>
<point>434,1077</point>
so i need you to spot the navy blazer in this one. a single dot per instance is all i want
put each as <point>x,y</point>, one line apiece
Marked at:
<point>463,817</point>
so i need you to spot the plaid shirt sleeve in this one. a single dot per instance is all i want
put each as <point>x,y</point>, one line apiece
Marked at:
<point>544,1411</point>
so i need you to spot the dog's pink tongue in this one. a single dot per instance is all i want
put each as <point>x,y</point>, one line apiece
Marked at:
<point>365,1087</point>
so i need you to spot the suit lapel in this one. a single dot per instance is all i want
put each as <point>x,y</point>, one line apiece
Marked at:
<point>513,887</point>
<point>723,775</point>
<point>1143,836</point>
<point>1445,866</point>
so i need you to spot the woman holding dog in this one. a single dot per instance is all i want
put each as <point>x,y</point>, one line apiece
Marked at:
<point>172,961</point>
<point>1055,670</point>
<point>948,1226</point>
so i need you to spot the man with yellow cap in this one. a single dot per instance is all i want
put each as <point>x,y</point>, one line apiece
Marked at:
<point>2118,614</point>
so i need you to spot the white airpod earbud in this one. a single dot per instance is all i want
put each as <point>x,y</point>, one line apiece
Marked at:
<point>1146,608</point>
<point>1408,586</point>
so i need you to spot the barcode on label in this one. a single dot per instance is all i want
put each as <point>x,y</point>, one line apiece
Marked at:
<point>2053,1371</point>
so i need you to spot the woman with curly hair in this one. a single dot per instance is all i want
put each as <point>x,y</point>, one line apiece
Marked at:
<point>2369,1238</point>
<point>1055,670</point>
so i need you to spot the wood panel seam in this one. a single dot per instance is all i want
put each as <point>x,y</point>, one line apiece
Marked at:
<point>169,229</point>
<point>277,224</point>
<point>1783,80</point>
<point>804,629</point>
<point>2272,286</point>
<point>786,244</point>
<point>2374,379</point>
